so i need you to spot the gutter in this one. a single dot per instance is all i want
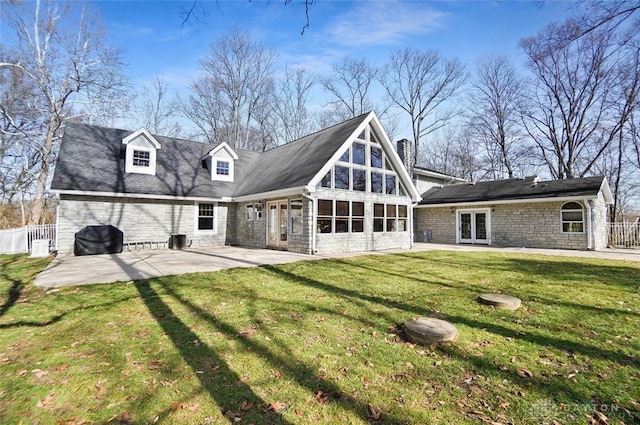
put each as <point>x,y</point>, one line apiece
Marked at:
<point>508,201</point>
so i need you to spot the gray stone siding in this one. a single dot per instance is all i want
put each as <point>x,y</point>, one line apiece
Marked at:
<point>599,218</point>
<point>531,225</point>
<point>250,233</point>
<point>368,240</point>
<point>140,220</point>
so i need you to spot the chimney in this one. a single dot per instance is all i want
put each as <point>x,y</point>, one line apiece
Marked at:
<point>403,147</point>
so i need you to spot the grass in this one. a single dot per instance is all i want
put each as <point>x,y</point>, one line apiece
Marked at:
<point>321,342</point>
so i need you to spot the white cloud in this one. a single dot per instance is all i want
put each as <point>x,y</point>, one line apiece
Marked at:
<point>385,22</point>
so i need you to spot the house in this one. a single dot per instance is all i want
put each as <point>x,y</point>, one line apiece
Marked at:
<point>341,189</point>
<point>527,212</point>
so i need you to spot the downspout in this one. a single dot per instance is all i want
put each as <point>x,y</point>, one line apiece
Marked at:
<point>57,229</point>
<point>312,205</point>
<point>412,228</point>
<point>589,226</point>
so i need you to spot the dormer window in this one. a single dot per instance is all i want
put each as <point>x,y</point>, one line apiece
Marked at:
<point>141,158</point>
<point>140,154</point>
<point>222,168</point>
<point>220,162</point>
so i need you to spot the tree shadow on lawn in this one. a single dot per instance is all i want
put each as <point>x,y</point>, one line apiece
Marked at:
<point>301,373</point>
<point>225,387</point>
<point>14,294</point>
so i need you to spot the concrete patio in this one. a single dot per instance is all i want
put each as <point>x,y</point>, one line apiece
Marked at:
<point>69,270</point>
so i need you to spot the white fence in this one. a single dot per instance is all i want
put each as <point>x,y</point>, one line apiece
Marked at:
<point>20,240</point>
<point>624,235</point>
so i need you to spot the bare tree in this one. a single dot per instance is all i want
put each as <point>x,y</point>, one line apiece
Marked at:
<point>158,111</point>
<point>571,112</point>
<point>238,75</point>
<point>421,83</point>
<point>493,116</point>
<point>349,86</point>
<point>72,70</point>
<point>294,118</point>
<point>453,152</point>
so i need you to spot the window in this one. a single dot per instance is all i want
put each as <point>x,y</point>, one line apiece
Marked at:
<point>572,216</point>
<point>349,216</point>
<point>378,217</point>
<point>248,214</point>
<point>141,158</point>
<point>390,184</point>
<point>257,211</point>
<point>206,216</point>
<point>376,157</point>
<point>326,180</point>
<point>222,168</point>
<point>402,218</point>
<point>376,182</point>
<point>295,215</point>
<point>358,153</point>
<point>357,217</point>
<point>345,156</point>
<point>359,180</point>
<point>392,215</point>
<point>342,216</point>
<point>325,216</point>
<point>342,177</point>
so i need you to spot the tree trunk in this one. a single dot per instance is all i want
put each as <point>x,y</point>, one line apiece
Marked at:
<point>37,205</point>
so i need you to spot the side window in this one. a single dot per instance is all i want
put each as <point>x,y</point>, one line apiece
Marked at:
<point>572,217</point>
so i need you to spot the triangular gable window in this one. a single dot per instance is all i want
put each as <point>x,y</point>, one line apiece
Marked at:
<point>364,166</point>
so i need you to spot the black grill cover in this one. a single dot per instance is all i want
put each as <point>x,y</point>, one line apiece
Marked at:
<point>98,240</point>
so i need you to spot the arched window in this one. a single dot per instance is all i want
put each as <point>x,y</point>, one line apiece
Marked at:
<point>572,217</point>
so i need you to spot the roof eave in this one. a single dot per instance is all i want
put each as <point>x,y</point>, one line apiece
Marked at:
<point>510,201</point>
<point>139,195</point>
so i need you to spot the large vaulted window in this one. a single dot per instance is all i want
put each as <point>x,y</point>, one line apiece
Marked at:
<point>364,167</point>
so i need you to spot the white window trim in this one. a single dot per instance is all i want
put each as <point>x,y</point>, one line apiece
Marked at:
<point>487,211</point>
<point>196,214</point>
<point>130,168</point>
<point>562,221</point>
<point>249,212</point>
<point>214,170</point>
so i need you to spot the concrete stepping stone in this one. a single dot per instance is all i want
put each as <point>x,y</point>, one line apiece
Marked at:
<point>505,302</point>
<point>426,330</point>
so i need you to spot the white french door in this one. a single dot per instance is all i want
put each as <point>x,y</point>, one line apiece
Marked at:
<point>277,223</point>
<point>474,226</point>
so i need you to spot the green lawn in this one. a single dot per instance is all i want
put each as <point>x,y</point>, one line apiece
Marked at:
<point>321,343</point>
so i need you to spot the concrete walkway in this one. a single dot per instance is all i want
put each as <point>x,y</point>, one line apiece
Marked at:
<point>69,270</point>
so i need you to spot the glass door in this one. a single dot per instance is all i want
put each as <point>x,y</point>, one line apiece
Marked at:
<point>473,227</point>
<point>277,223</point>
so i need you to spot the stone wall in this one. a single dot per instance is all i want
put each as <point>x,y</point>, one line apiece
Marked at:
<point>599,218</point>
<point>141,220</point>
<point>531,225</point>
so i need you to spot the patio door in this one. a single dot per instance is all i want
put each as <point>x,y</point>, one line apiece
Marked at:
<point>277,223</point>
<point>473,226</point>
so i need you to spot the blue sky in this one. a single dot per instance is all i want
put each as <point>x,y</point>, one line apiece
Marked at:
<point>150,34</point>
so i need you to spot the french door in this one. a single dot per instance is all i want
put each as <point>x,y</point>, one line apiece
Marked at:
<point>473,226</point>
<point>277,223</point>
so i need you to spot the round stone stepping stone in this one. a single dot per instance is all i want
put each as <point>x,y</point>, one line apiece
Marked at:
<point>425,330</point>
<point>506,302</point>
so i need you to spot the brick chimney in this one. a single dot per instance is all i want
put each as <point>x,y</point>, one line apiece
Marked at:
<point>403,147</point>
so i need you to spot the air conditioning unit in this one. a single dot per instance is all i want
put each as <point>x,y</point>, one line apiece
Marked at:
<point>40,248</point>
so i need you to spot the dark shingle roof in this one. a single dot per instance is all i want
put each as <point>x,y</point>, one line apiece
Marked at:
<point>91,160</point>
<point>512,189</point>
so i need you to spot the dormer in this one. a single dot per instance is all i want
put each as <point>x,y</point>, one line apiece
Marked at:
<point>220,162</point>
<point>140,152</point>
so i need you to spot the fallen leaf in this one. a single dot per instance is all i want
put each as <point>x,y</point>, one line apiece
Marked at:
<point>123,417</point>
<point>177,405</point>
<point>504,405</point>
<point>192,407</point>
<point>128,357</point>
<point>46,401</point>
<point>246,405</point>
<point>373,413</point>
<point>22,372</point>
<point>277,407</point>
<point>525,373</point>
<point>438,363</point>
<point>299,412</point>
